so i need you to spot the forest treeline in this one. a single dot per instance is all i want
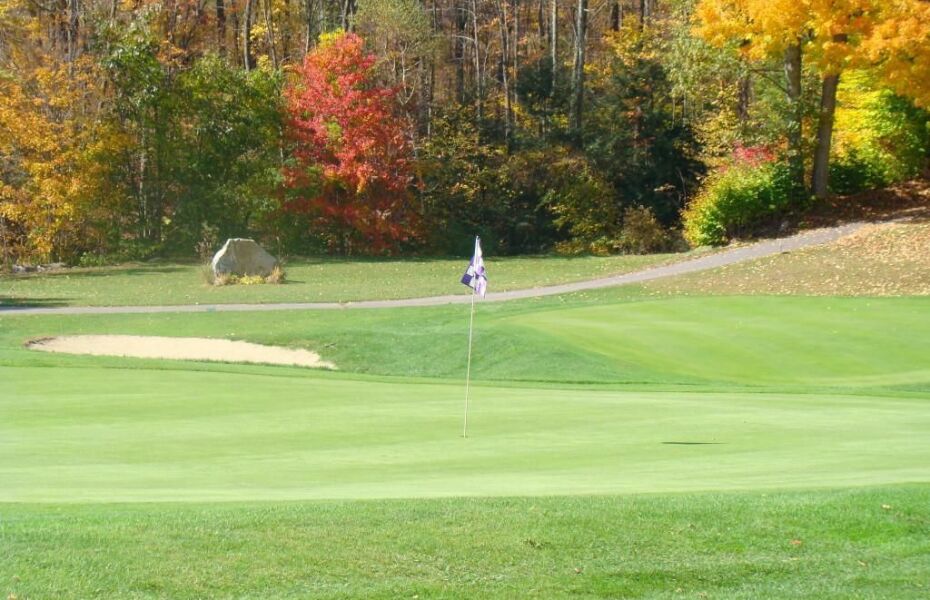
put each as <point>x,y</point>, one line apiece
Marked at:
<point>133,128</point>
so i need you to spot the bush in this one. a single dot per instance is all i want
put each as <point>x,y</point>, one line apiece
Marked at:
<point>738,201</point>
<point>641,232</point>
<point>856,171</point>
<point>277,276</point>
<point>581,201</point>
<point>881,139</point>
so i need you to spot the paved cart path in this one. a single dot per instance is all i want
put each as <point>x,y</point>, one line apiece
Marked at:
<point>719,259</point>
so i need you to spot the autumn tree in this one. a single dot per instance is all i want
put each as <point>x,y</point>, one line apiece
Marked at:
<point>351,170</point>
<point>402,36</point>
<point>832,36</point>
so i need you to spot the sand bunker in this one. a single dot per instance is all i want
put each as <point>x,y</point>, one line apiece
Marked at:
<point>179,348</point>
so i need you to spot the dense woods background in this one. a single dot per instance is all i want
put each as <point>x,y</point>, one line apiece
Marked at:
<point>133,128</point>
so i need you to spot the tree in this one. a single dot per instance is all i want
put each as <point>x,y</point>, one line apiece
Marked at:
<point>892,37</point>
<point>578,63</point>
<point>351,169</point>
<point>406,45</point>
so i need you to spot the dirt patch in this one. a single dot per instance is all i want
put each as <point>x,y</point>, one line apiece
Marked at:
<point>179,348</point>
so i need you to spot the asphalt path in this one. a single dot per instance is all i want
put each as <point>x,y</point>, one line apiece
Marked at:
<point>712,261</point>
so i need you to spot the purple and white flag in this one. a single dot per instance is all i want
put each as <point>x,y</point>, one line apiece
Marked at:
<point>475,276</point>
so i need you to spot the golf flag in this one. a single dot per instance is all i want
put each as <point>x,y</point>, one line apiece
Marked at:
<point>475,276</point>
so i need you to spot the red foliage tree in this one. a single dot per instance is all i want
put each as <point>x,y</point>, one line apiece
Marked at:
<point>351,170</point>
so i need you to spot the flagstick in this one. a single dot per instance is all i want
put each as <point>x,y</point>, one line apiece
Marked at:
<point>471,324</point>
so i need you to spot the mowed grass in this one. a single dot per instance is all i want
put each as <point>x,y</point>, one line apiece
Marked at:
<point>142,436</point>
<point>688,394</point>
<point>888,259</point>
<point>868,543</point>
<point>620,445</point>
<point>614,336</point>
<point>308,280</point>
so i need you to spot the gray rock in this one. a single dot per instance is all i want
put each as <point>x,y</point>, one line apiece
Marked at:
<point>243,257</point>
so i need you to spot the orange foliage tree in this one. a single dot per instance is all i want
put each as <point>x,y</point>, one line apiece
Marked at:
<point>350,169</point>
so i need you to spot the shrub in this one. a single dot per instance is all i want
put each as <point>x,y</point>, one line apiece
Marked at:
<point>737,201</point>
<point>276,276</point>
<point>881,139</point>
<point>581,201</point>
<point>641,232</point>
<point>858,170</point>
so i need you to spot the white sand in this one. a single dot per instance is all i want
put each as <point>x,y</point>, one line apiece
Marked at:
<point>179,348</point>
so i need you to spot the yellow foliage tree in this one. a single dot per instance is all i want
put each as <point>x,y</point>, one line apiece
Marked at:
<point>891,37</point>
<point>42,138</point>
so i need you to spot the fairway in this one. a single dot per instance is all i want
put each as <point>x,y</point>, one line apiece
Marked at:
<point>620,445</point>
<point>692,394</point>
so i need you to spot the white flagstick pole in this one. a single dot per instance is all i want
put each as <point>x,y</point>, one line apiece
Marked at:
<point>471,324</point>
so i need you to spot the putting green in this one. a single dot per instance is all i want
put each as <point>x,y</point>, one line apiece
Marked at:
<point>136,435</point>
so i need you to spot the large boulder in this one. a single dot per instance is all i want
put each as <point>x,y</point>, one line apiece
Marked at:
<point>243,257</point>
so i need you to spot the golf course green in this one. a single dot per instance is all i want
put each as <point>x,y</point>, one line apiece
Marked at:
<point>674,414</point>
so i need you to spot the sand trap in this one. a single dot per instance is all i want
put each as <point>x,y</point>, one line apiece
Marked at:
<point>179,348</point>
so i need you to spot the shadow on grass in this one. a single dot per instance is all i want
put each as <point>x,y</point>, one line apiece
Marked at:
<point>692,443</point>
<point>12,304</point>
<point>114,271</point>
<point>90,273</point>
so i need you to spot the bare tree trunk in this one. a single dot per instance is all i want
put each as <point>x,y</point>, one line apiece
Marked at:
<point>141,189</point>
<point>348,10</point>
<point>286,31</point>
<point>74,16</point>
<point>745,97</point>
<point>505,58</point>
<point>247,61</point>
<point>431,80</point>
<point>221,27</point>
<point>795,139</point>
<point>554,41</point>
<point>236,38</point>
<point>616,15</point>
<point>515,45</point>
<point>479,88</point>
<point>821,176</point>
<point>308,39</point>
<point>577,97</point>
<point>458,49</point>
<point>269,31</point>
<point>7,262</point>
<point>541,20</point>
